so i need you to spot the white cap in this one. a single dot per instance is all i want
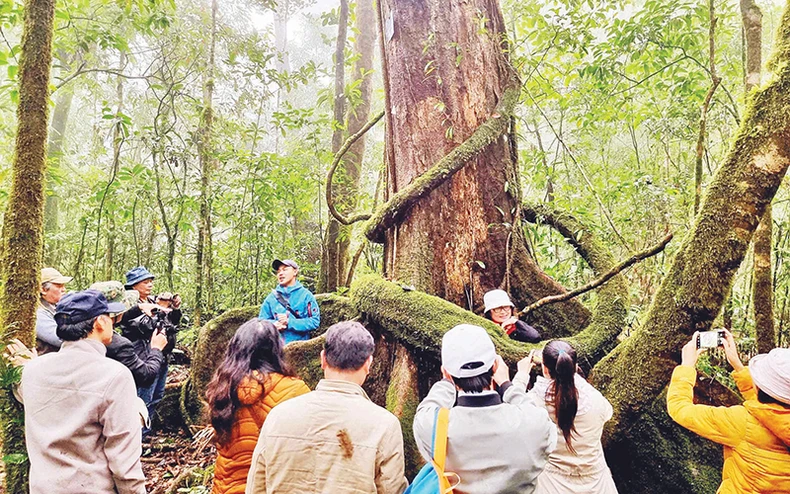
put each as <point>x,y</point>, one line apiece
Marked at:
<point>496,298</point>
<point>771,373</point>
<point>467,344</point>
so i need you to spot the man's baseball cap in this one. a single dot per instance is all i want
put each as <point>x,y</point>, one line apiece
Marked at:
<point>82,306</point>
<point>467,351</point>
<point>136,275</point>
<point>285,262</point>
<point>114,293</point>
<point>52,275</point>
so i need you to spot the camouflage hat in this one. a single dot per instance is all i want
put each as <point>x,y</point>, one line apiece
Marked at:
<point>114,292</point>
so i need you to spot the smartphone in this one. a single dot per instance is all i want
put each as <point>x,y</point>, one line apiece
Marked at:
<point>710,339</point>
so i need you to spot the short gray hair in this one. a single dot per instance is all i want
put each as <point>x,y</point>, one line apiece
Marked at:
<point>46,285</point>
<point>348,345</point>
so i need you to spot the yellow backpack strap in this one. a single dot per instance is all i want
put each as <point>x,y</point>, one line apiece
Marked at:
<point>440,448</point>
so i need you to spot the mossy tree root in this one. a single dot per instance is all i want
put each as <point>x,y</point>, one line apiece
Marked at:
<point>419,320</point>
<point>402,400</point>
<point>390,213</point>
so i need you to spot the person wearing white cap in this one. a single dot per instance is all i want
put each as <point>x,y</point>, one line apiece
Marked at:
<point>53,287</point>
<point>499,308</point>
<point>756,434</point>
<point>497,441</point>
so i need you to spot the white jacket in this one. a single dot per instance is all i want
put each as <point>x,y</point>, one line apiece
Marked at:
<point>495,445</point>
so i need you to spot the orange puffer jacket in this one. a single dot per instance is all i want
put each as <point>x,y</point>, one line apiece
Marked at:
<point>234,458</point>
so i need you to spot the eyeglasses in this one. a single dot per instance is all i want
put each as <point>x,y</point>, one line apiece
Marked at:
<point>504,308</point>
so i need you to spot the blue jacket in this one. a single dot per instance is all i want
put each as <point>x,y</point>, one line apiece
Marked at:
<point>301,301</point>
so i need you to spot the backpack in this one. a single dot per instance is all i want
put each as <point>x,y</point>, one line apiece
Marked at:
<point>432,478</point>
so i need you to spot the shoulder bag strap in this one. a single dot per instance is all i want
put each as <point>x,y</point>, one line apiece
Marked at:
<point>440,448</point>
<point>285,303</point>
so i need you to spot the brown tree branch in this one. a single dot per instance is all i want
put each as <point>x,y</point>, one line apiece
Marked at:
<point>330,201</point>
<point>703,119</point>
<point>601,280</point>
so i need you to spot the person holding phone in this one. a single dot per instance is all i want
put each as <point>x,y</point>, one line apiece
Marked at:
<point>291,307</point>
<point>756,434</point>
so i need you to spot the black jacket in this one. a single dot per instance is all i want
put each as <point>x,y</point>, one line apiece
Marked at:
<point>524,332</point>
<point>136,326</point>
<point>141,359</point>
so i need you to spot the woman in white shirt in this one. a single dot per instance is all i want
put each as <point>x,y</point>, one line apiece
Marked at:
<point>580,411</point>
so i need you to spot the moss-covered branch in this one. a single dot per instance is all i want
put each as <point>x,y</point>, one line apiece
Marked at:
<point>330,200</point>
<point>692,293</point>
<point>389,213</point>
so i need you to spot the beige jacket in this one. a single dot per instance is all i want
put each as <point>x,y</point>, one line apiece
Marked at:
<point>584,471</point>
<point>333,440</point>
<point>81,422</point>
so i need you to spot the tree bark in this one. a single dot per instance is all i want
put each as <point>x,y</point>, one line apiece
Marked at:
<point>762,284</point>
<point>692,293</point>
<point>23,241</point>
<point>445,71</point>
<point>57,132</point>
<point>205,151</point>
<point>333,259</point>
<point>351,168</point>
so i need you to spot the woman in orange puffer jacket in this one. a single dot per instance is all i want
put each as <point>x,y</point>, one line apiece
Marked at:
<point>249,382</point>
<point>755,435</point>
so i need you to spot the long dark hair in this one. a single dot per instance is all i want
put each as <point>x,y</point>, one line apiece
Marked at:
<point>560,359</point>
<point>256,346</point>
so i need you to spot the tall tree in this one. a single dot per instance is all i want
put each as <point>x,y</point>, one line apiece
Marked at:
<point>465,237</point>
<point>205,150</point>
<point>333,260</point>
<point>23,241</point>
<point>762,284</point>
<point>347,175</point>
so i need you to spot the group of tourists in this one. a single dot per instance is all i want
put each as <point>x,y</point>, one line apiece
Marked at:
<point>478,430</point>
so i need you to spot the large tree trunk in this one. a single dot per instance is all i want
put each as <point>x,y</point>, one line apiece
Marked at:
<point>205,150</point>
<point>333,261</point>
<point>445,71</point>
<point>23,240</point>
<point>691,294</point>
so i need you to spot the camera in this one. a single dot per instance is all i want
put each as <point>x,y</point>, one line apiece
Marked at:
<point>710,339</point>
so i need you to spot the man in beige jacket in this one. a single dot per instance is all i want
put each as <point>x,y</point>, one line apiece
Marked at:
<point>82,426</point>
<point>333,440</point>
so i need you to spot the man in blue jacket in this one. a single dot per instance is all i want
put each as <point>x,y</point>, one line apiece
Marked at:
<point>290,307</point>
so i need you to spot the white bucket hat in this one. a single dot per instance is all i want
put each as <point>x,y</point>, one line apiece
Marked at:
<point>496,298</point>
<point>771,373</point>
<point>467,351</point>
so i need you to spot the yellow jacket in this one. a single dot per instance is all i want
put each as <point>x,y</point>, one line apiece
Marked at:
<point>234,458</point>
<point>755,436</point>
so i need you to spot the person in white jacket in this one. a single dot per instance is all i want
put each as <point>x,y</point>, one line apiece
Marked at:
<point>577,464</point>
<point>497,441</point>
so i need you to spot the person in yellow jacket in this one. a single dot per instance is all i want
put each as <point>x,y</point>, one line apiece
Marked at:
<point>755,435</point>
<point>251,380</point>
